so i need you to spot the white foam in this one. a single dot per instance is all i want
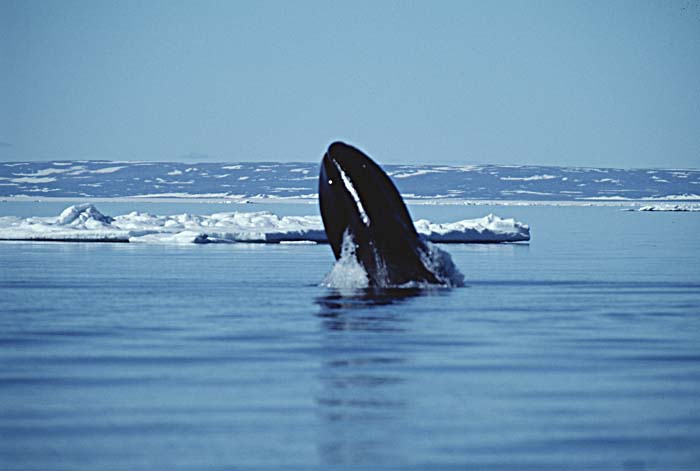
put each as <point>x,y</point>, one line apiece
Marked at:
<point>347,273</point>
<point>441,265</point>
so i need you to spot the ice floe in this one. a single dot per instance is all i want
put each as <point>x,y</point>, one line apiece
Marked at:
<point>80,223</point>
<point>33,180</point>
<point>86,223</point>
<point>490,228</point>
<point>104,170</point>
<point>531,178</point>
<point>671,207</point>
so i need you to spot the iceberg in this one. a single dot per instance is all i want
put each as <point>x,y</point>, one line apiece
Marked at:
<point>85,223</point>
<point>671,207</point>
<point>488,229</point>
<point>80,223</point>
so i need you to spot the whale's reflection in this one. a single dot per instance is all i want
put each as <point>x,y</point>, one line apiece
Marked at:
<point>366,309</point>
<point>364,298</point>
<point>363,390</point>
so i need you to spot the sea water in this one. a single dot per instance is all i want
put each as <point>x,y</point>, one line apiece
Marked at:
<point>579,350</point>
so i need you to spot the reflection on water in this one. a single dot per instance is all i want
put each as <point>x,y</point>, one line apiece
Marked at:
<point>362,375</point>
<point>359,406</point>
<point>352,309</point>
<point>354,299</point>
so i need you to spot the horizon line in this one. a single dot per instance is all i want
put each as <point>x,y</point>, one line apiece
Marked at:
<point>301,162</point>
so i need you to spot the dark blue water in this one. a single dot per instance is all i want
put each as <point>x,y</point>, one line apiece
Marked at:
<point>580,350</point>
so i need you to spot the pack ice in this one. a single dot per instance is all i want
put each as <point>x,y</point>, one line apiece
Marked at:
<point>85,223</point>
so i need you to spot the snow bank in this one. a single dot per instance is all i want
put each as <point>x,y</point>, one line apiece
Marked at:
<point>487,229</point>
<point>80,223</point>
<point>83,216</point>
<point>671,207</point>
<point>83,223</point>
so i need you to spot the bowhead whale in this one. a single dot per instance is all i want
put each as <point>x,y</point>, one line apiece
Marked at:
<point>361,206</point>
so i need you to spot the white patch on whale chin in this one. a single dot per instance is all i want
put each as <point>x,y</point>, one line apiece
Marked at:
<point>347,272</point>
<point>351,189</point>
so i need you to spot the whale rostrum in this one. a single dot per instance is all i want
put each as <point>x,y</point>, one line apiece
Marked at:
<point>360,205</point>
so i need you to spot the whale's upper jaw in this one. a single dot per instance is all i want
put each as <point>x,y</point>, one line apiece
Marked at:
<point>342,207</point>
<point>343,159</point>
<point>355,192</point>
<point>346,172</point>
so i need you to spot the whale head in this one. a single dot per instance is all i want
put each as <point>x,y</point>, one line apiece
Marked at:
<point>359,201</point>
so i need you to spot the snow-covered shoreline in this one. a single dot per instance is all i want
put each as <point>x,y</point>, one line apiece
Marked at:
<point>237,200</point>
<point>85,223</point>
<point>299,180</point>
<point>667,207</point>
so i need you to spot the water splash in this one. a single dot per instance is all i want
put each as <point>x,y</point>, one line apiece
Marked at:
<point>347,273</point>
<point>349,276</point>
<point>440,263</point>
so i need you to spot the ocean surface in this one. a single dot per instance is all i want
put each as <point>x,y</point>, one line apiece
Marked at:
<point>579,350</point>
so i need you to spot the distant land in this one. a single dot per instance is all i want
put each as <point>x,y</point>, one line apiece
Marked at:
<point>119,179</point>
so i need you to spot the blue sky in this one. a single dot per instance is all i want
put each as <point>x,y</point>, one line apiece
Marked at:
<point>589,83</point>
